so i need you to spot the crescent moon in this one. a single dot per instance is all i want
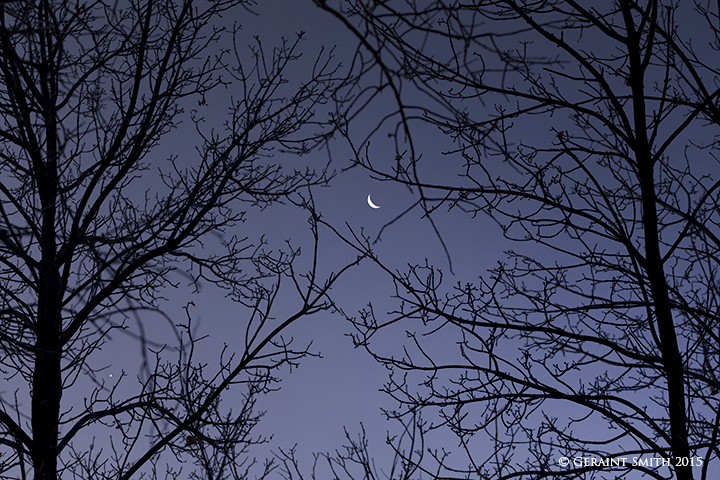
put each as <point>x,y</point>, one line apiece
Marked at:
<point>372,205</point>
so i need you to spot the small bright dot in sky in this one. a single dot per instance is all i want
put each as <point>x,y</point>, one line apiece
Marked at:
<point>111,375</point>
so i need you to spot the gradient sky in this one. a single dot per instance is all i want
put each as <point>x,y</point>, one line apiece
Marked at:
<point>341,389</point>
<point>321,397</point>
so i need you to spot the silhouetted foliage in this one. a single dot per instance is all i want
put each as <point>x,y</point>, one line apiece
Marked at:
<point>588,131</point>
<point>99,225</point>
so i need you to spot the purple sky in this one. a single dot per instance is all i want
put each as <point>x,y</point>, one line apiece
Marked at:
<point>321,397</point>
<point>341,389</point>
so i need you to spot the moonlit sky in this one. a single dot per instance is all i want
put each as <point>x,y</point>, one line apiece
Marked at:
<point>322,397</point>
<point>337,389</point>
<point>318,400</point>
<point>341,389</point>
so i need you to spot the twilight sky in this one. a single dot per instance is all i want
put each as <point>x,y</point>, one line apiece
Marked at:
<point>321,397</point>
<point>316,401</point>
<point>340,390</point>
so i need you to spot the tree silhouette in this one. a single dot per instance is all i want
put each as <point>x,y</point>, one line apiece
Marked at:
<point>97,224</point>
<point>589,134</point>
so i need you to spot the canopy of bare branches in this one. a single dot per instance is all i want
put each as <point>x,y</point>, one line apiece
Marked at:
<point>588,131</point>
<point>99,225</point>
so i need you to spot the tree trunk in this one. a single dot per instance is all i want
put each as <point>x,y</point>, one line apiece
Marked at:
<point>47,381</point>
<point>46,394</point>
<point>669,350</point>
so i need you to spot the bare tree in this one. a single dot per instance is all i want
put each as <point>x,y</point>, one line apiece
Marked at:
<point>588,131</point>
<point>98,224</point>
<point>355,460</point>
